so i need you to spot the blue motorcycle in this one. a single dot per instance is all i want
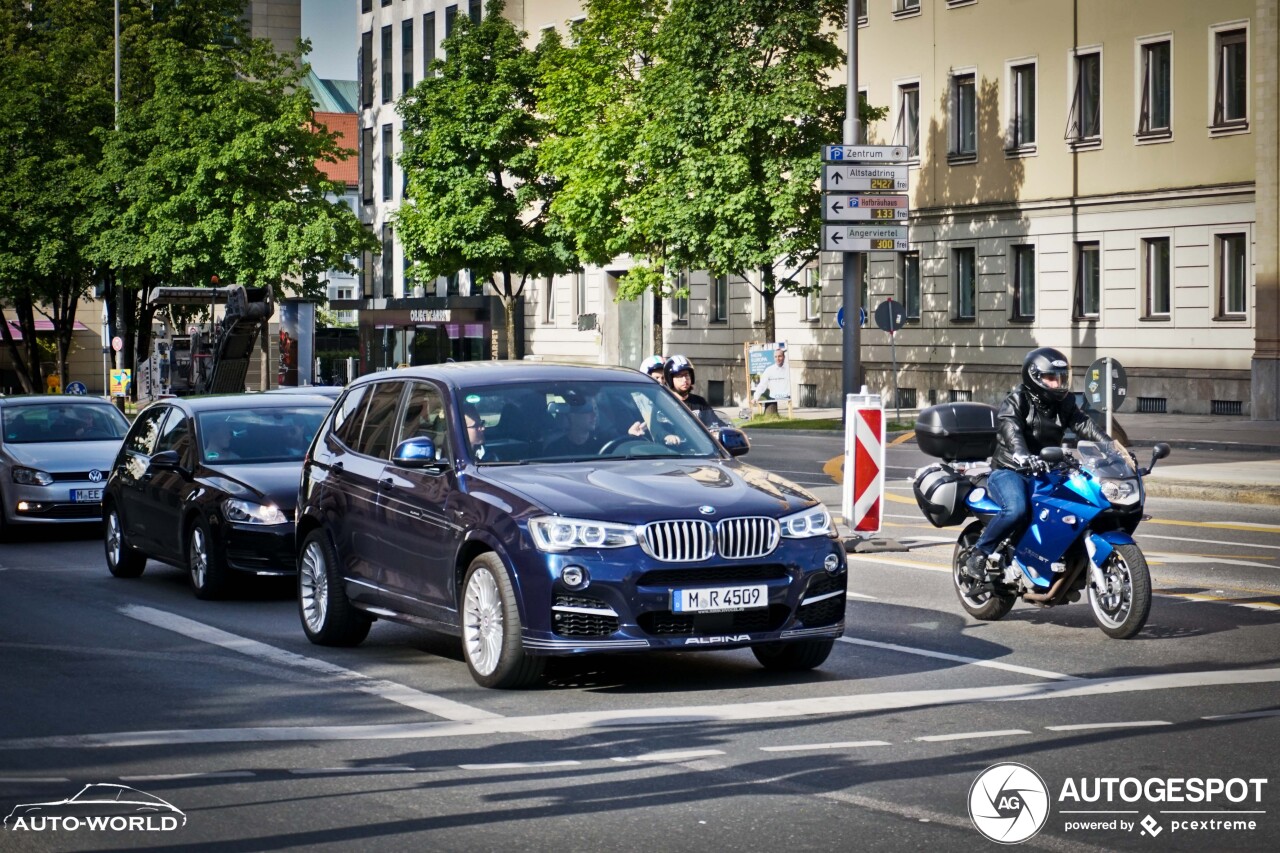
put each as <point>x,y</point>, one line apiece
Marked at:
<point>1078,538</point>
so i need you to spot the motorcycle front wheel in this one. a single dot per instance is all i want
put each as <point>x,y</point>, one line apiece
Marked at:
<point>1122,606</point>
<point>987,606</point>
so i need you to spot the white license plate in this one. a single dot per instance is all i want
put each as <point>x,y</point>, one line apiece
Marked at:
<point>720,598</point>
<point>86,496</point>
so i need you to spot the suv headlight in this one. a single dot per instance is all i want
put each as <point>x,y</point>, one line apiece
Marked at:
<point>814,521</point>
<point>1120,491</point>
<point>245,512</point>
<point>31,477</point>
<point>554,534</point>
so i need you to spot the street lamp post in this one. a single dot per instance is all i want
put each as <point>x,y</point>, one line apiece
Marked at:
<point>851,268</point>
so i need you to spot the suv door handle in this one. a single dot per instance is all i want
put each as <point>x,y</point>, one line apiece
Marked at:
<point>387,483</point>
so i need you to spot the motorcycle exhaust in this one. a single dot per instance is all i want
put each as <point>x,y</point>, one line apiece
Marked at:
<point>1064,582</point>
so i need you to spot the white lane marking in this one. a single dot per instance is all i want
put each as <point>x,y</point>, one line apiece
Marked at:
<point>1186,559</point>
<point>849,744</point>
<point>672,755</point>
<point>1248,715</point>
<point>1132,724</point>
<point>519,765</point>
<point>176,777</point>
<point>892,561</point>
<point>372,768</point>
<point>970,735</point>
<point>860,595</point>
<point>928,653</point>
<point>390,690</point>
<point>1145,535</point>
<point>589,720</point>
<point>33,780</point>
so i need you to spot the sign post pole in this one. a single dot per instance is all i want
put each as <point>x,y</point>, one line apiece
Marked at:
<point>1109,401</point>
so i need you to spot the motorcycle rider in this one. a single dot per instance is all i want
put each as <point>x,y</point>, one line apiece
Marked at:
<point>1034,415</point>
<point>652,367</point>
<point>679,377</point>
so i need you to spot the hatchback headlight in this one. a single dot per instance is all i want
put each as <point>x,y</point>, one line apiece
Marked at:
<point>554,534</point>
<point>1120,491</point>
<point>245,512</point>
<point>814,521</point>
<point>31,477</point>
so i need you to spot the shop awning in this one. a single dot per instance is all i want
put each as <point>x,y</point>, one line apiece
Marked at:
<point>42,326</point>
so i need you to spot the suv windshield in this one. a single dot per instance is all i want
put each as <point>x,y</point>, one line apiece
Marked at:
<point>580,421</point>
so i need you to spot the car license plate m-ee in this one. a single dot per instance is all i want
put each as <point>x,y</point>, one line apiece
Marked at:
<point>720,598</point>
<point>86,496</point>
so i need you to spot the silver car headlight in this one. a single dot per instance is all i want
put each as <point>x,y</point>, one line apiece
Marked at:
<point>814,521</point>
<point>1121,492</point>
<point>246,512</point>
<point>554,534</point>
<point>31,476</point>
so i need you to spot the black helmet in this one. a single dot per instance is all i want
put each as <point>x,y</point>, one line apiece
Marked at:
<point>1043,362</point>
<point>676,365</point>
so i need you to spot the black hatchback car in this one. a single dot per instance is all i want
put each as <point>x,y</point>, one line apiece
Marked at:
<point>210,484</point>
<point>538,510</point>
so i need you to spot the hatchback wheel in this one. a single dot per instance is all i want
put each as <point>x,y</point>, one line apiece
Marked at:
<point>122,560</point>
<point>491,628</point>
<point>207,568</point>
<point>328,617</point>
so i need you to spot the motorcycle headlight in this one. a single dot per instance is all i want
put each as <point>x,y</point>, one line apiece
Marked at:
<point>31,477</point>
<point>245,512</point>
<point>554,534</point>
<point>1120,491</point>
<point>814,521</point>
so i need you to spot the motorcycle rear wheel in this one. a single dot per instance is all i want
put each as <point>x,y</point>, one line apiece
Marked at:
<point>986,606</point>
<point>1121,609</point>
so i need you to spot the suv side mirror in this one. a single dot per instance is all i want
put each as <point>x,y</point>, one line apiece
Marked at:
<point>419,452</point>
<point>734,440</point>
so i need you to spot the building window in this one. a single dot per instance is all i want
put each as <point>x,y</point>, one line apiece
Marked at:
<point>388,159</point>
<point>406,55</point>
<point>366,274</point>
<point>1084,123</point>
<point>680,301</point>
<point>366,165</point>
<point>966,283</point>
<point>450,15</point>
<point>860,10</point>
<point>905,8</point>
<point>1088,280</point>
<point>1024,283</point>
<point>812,294</point>
<point>720,299</point>
<point>474,10</point>
<point>386,65</point>
<point>1154,109</point>
<point>964,116</point>
<point>908,130</point>
<point>863,139</point>
<point>1156,274</point>
<point>366,5</point>
<point>910,275</point>
<point>1022,106</point>
<point>366,69</point>
<point>388,258</point>
<point>428,42</point>
<point>386,2</point>
<point>580,291</point>
<point>549,315</point>
<point>1231,81</point>
<point>1232,274</point>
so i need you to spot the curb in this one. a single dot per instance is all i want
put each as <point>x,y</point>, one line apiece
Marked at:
<point>1217,492</point>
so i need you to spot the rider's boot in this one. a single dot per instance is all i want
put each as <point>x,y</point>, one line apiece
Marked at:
<point>976,568</point>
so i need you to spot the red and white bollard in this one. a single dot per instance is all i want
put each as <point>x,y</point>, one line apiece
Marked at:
<point>863,488</point>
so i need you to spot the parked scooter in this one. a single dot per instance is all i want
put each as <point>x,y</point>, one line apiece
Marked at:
<point>1079,535</point>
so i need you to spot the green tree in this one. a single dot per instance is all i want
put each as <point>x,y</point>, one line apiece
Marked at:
<point>476,198</point>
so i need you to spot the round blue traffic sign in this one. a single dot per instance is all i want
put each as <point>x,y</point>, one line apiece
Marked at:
<point>862,317</point>
<point>76,388</point>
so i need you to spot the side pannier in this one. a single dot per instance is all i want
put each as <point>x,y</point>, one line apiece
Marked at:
<point>940,492</point>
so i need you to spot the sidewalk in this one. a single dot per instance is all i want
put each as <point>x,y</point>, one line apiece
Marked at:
<point>1256,481</point>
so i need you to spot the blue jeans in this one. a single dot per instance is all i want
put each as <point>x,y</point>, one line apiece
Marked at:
<point>1011,491</point>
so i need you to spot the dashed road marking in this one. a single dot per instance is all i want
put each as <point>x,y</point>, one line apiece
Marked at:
<point>972,735</point>
<point>1132,724</point>
<point>182,777</point>
<point>929,653</point>
<point>519,765</point>
<point>804,747</point>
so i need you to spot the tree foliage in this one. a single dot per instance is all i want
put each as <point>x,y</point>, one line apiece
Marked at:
<point>476,198</point>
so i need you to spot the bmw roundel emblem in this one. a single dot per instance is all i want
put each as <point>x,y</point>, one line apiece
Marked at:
<point>707,510</point>
<point>95,476</point>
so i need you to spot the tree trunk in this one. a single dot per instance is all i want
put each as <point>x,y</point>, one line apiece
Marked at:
<point>768,290</point>
<point>15,353</point>
<point>657,323</point>
<point>508,297</point>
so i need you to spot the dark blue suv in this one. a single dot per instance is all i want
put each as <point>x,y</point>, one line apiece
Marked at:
<point>539,510</point>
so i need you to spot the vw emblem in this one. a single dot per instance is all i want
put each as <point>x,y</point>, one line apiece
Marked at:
<point>707,510</point>
<point>95,476</point>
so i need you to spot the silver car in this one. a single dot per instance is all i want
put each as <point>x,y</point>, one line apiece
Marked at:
<point>55,453</point>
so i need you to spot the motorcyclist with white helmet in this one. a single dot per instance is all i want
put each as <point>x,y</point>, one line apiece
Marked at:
<point>652,367</point>
<point>1035,415</point>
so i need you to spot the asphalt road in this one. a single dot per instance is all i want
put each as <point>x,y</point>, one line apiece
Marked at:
<point>264,741</point>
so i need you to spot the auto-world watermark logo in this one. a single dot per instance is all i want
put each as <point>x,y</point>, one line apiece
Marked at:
<point>102,807</point>
<point>1009,803</point>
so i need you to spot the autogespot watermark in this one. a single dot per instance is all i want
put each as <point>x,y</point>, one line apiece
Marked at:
<point>1010,803</point>
<point>102,807</point>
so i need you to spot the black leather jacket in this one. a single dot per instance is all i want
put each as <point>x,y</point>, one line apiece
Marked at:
<point>1025,425</point>
<point>702,410</point>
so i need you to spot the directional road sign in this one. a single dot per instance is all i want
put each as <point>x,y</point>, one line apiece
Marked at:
<point>867,153</point>
<point>851,177</point>
<point>840,207</point>
<point>865,238</point>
